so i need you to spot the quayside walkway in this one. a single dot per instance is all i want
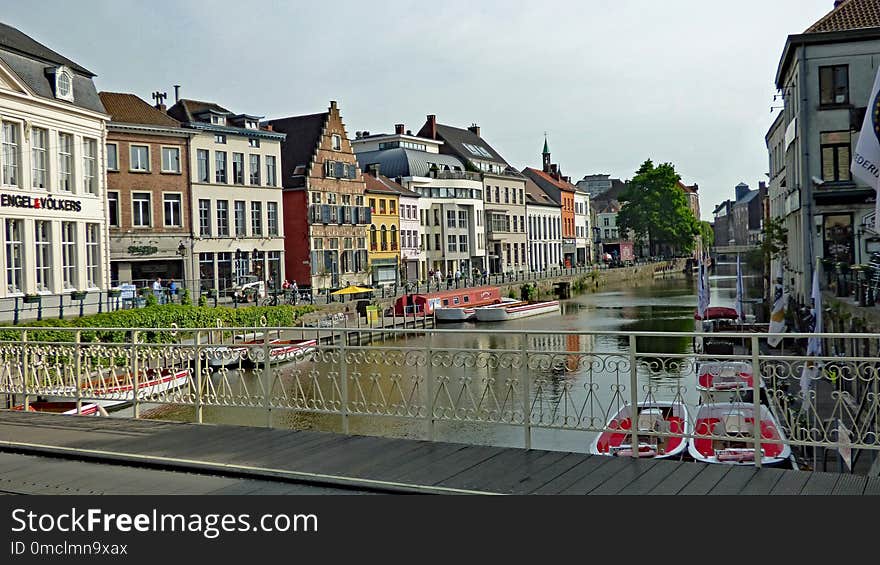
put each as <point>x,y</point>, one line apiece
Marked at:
<point>123,450</point>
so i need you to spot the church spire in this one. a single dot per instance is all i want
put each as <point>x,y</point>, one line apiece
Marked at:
<point>546,154</point>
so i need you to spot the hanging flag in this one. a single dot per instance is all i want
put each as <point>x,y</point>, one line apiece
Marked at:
<point>777,315</point>
<point>814,344</point>
<point>740,311</point>
<point>702,289</point>
<point>706,284</point>
<point>865,164</point>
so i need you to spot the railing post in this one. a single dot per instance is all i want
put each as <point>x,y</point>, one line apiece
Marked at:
<point>634,396</point>
<point>199,408</point>
<point>526,391</point>
<point>756,400</point>
<point>343,382</point>
<point>25,369</point>
<point>78,370</point>
<point>267,379</point>
<point>429,386</point>
<point>135,374</point>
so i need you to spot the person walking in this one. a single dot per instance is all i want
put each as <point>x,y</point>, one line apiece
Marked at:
<point>172,290</point>
<point>157,290</point>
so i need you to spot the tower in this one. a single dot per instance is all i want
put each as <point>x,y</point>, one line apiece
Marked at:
<point>546,155</point>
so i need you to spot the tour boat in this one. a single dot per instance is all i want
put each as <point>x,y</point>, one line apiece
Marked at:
<point>515,310</point>
<point>465,313</point>
<point>110,389</point>
<point>660,417</point>
<point>734,422</point>
<point>281,350</point>
<point>427,303</point>
<point>49,407</point>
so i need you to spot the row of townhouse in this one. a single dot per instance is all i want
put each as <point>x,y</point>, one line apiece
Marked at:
<point>102,189</point>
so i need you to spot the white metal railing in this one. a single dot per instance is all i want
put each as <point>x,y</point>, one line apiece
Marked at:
<point>534,380</point>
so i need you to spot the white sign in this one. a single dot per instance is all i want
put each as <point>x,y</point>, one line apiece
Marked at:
<point>790,133</point>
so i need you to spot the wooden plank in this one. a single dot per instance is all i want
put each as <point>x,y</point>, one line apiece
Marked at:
<point>675,482</point>
<point>482,476</point>
<point>454,464</point>
<point>872,486</point>
<point>791,482</point>
<point>648,480</point>
<point>340,459</point>
<point>390,455</point>
<point>763,481</point>
<point>427,456</point>
<point>630,470</point>
<point>590,464</point>
<point>735,480</point>
<point>533,461</point>
<point>706,480</point>
<point>820,483</point>
<point>537,477</point>
<point>850,485</point>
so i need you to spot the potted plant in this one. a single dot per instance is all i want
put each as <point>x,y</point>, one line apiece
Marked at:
<point>114,292</point>
<point>32,298</point>
<point>78,294</point>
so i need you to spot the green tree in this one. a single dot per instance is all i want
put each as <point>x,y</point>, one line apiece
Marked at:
<point>656,209</point>
<point>707,234</point>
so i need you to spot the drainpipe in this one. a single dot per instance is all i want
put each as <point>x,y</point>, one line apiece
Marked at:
<point>806,182</point>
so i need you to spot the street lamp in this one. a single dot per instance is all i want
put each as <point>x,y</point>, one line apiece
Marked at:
<point>181,249</point>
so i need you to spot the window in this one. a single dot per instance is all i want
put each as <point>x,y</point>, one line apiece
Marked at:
<point>11,141</point>
<point>450,218</point>
<point>204,169</point>
<point>255,170</point>
<point>205,218</point>
<point>93,257</point>
<point>223,218</point>
<point>336,142</point>
<point>140,209</point>
<point>835,156</point>
<point>497,194</point>
<point>450,243</point>
<point>206,270</point>
<point>462,218</point>
<point>253,142</point>
<point>218,120</point>
<point>270,170</point>
<point>171,159</point>
<point>437,241</point>
<point>605,221</point>
<point>112,157</point>
<point>251,124</point>
<point>113,208</point>
<point>65,162</point>
<point>240,215</point>
<point>393,238</point>
<point>318,244</point>
<point>316,198</point>
<point>68,255</point>
<point>272,217</point>
<point>140,158</point>
<point>506,195</point>
<point>219,138</point>
<point>384,239</point>
<point>436,217</point>
<point>392,207</point>
<point>90,166</point>
<point>220,164</point>
<point>14,255</point>
<point>382,206</point>
<point>834,85</point>
<point>39,147</point>
<point>238,168</point>
<point>372,205</point>
<point>172,207</point>
<point>43,249</point>
<point>257,218</point>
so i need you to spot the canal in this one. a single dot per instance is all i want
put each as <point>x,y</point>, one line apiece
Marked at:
<point>571,376</point>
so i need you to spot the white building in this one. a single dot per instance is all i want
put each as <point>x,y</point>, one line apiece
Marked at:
<point>544,228</point>
<point>52,199</point>
<point>236,201</point>
<point>582,228</point>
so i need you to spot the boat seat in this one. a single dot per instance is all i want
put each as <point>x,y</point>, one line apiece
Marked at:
<point>651,420</point>
<point>735,424</point>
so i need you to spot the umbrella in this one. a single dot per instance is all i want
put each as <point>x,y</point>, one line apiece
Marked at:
<point>351,290</point>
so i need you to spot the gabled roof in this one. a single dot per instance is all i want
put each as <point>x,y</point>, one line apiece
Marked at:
<point>849,15</point>
<point>548,184</point>
<point>14,40</point>
<point>747,198</point>
<point>400,162</point>
<point>303,138</point>
<point>535,195</point>
<point>186,110</point>
<point>464,143</point>
<point>130,109</point>
<point>385,185</point>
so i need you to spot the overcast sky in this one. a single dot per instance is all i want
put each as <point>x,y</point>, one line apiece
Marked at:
<point>612,83</point>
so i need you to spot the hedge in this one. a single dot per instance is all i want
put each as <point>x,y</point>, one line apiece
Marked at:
<point>164,316</point>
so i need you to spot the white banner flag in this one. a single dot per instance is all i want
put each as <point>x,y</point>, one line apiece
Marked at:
<point>702,289</point>
<point>740,296</point>
<point>777,315</point>
<point>814,344</point>
<point>865,164</point>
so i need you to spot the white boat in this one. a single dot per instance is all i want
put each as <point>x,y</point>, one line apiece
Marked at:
<point>727,381</point>
<point>225,355</point>
<point>514,311</point>
<point>63,407</point>
<point>733,425</point>
<point>465,313</point>
<point>281,350</point>
<point>114,389</point>
<point>656,417</point>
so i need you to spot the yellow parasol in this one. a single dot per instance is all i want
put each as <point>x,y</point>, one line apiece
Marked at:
<point>351,290</point>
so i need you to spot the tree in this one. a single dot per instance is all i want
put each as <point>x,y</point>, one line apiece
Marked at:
<point>707,234</point>
<point>656,209</point>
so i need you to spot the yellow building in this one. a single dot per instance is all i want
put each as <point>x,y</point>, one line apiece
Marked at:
<point>383,235</point>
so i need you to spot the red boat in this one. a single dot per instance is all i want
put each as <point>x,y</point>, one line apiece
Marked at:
<point>86,409</point>
<point>657,421</point>
<point>725,433</point>
<point>426,304</point>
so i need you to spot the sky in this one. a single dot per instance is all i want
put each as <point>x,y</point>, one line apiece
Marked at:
<point>688,82</point>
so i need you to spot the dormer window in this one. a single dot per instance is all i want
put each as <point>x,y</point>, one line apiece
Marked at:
<point>218,120</point>
<point>64,84</point>
<point>251,124</point>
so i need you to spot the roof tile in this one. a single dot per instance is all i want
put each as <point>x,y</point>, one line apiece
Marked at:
<point>849,15</point>
<point>130,109</point>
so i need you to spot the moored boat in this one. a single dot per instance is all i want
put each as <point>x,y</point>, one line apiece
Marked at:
<point>425,304</point>
<point>281,350</point>
<point>110,389</point>
<point>63,407</point>
<point>514,311</point>
<point>665,419</point>
<point>726,381</point>
<point>733,426</point>
<point>226,355</point>
<point>465,313</point>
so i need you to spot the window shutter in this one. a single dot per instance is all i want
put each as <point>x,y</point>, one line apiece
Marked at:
<point>340,217</point>
<point>352,171</point>
<point>325,213</point>
<point>339,170</point>
<point>368,215</point>
<point>355,215</point>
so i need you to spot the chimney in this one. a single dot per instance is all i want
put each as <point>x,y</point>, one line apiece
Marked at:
<point>333,104</point>
<point>268,127</point>
<point>398,129</point>
<point>358,134</point>
<point>365,133</point>
<point>432,126</point>
<point>374,169</point>
<point>409,132</point>
<point>475,129</point>
<point>838,3</point>
<point>176,93</point>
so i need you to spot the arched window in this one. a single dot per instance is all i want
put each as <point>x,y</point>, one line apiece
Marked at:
<point>384,238</point>
<point>373,245</point>
<point>393,238</point>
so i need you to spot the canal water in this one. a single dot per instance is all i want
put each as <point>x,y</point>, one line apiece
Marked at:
<point>582,383</point>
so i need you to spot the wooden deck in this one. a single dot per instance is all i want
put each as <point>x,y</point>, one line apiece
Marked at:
<point>125,448</point>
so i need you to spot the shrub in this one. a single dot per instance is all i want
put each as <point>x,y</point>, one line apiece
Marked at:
<point>186,298</point>
<point>203,300</point>
<point>151,300</point>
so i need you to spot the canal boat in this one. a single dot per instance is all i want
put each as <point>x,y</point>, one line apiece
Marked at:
<point>466,313</point>
<point>110,389</point>
<point>426,304</point>
<point>63,407</point>
<point>656,417</point>
<point>281,350</point>
<point>226,355</point>
<point>732,425</point>
<point>514,311</point>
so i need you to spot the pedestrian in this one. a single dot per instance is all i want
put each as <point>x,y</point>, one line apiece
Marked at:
<point>157,290</point>
<point>286,284</point>
<point>172,290</point>
<point>457,277</point>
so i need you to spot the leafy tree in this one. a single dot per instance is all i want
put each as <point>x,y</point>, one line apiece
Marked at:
<point>774,244</point>
<point>656,209</point>
<point>707,234</point>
